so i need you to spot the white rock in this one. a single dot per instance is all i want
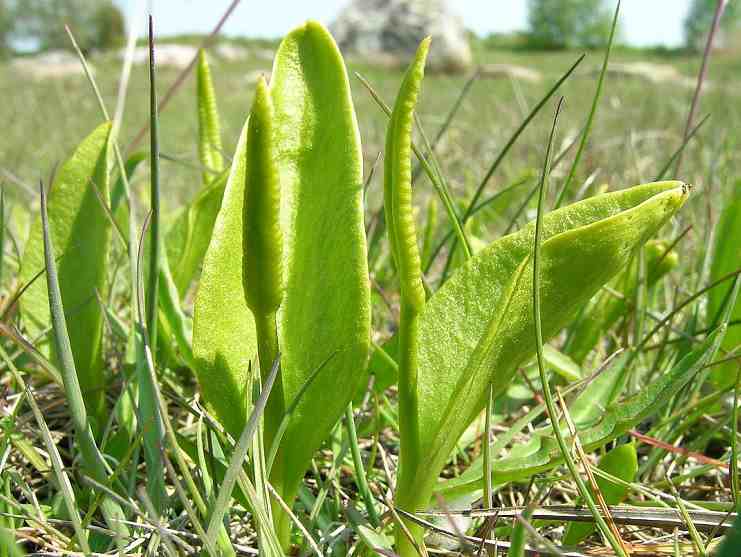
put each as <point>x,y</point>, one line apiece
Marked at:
<point>389,31</point>
<point>175,55</point>
<point>230,52</point>
<point>495,71</point>
<point>55,63</point>
<point>655,73</point>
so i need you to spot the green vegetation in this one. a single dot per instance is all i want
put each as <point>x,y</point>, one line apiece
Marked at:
<point>700,17</point>
<point>97,24</point>
<point>568,24</point>
<point>244,340</point>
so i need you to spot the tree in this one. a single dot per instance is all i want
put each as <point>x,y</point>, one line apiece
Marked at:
<point>568,23</point>
<point>6,26</point>
<point>109,26</point>
<point>96,24</point>
<point>700,17</point>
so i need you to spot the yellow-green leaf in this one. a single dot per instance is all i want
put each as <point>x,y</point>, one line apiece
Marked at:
<point>188,236</point>
<point>81,231</point>
<point>726,259</point>
<point>224,339</point>
<point>609,306</point>
<point>478,327</point>
<point>324,314</point>
<point>326,303</point>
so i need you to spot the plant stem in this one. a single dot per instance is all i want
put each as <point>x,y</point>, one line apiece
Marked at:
<point>360,477</point>
<point>407,496</point>
<point>267,350</point>
<point>719,8</point>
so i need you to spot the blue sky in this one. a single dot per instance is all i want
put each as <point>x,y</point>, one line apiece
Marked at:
<point>644,22</point>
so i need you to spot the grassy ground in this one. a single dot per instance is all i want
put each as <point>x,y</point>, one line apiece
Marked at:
<point>638,126</point>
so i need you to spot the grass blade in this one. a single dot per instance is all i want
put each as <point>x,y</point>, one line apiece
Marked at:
<point>720,6</point>
<point>238,456</point>
<point>154,196</point>
<point>91,456</point>
<point>680,149</point>
<point>472,204</point>
<point>360,476</point>
<point>592,111</point>
<point>617,546</point>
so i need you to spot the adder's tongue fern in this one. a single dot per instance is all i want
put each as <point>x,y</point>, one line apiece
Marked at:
<point>403,240</point>
<point>263,239</point>
<point>398,184</point>
<point>262,269</point>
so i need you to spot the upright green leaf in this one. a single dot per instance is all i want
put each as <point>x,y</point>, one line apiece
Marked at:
<point>478,327</point>
<point>224,338</point>
<point>325,309</point>
<point>726,259</point>
<point>81,231</point>
<point>209,131</point>
<point>326,304</point>
<point>187,238</point>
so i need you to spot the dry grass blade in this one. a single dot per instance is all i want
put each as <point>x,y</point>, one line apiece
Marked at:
<point>592,111</point>
<point>588,471</point>
<point>184,74</point>
<point>56,460</point>
<point>491,545</point>
<point>720,6</point>
<point>666,518</point>
<point>307,536</point>
<point>694,534</point>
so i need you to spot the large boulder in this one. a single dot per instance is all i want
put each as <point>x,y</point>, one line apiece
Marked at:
<point>389,31</point>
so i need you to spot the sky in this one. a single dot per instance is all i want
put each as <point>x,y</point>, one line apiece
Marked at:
<point>644,22</point>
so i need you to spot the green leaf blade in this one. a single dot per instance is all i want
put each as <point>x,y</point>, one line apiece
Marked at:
<point>726,259</point>
<point>187,238</point>
<point>326,304</point>
<point>82,233</point>
<point>584,246</point>
<point>224,337</point>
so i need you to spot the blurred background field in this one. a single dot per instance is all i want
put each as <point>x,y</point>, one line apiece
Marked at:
<point>640,120</point>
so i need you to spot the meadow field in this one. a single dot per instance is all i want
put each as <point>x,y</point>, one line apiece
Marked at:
<point>658,317</point>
